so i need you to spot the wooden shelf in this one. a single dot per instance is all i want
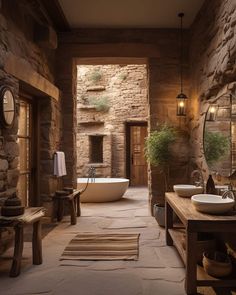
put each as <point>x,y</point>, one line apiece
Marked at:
<point>195,222</point>
<point>203,279</point>
<point>178,236</point>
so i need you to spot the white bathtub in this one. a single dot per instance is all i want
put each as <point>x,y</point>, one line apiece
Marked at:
<point>103,189</point>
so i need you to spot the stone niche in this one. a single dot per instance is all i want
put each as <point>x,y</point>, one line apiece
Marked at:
<point>107,97</point>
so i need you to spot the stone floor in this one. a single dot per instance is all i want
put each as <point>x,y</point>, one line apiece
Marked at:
<point>158,270</point>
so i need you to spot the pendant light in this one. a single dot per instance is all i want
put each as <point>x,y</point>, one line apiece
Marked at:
<point>181,97</point>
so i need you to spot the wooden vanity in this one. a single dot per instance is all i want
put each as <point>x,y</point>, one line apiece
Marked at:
<point>194,222</point>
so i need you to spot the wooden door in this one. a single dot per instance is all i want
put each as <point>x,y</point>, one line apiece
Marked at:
<point>27,153</point>
<point>138,164</point>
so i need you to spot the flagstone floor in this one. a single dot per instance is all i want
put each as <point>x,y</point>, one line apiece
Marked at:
<point>158,270</point>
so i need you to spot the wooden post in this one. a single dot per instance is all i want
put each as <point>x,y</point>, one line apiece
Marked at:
<point>78,204</point>
<point>168,223</point>
<point>18,249</point>
<point>191,263</point>
<point>60,208</point>
<point>37,243</point>
<point>73,219</point>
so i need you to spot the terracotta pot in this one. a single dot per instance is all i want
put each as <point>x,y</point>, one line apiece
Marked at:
<point>217,264</point>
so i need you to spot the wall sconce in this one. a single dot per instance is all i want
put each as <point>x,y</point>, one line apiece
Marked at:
<point>181,97</point>
<point>211,113</point>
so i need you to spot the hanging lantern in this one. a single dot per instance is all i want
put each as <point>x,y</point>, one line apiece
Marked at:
<point>181,97</point>
<point>181,104</point>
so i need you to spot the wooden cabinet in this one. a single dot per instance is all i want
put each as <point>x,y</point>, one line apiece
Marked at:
<point>193,223</point>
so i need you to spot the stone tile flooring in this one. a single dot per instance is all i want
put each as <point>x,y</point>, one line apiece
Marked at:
<point>159,269</point>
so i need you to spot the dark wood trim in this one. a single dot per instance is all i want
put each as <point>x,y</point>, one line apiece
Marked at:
<point>34,199</point>
<point>127,141</point>
<point>56,14</point>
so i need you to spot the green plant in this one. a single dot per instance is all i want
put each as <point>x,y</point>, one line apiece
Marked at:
<point>95,76</point>
<point>216,146</point>
<point>157,145</point>
<point>123,76</point>
<point>101,104</point>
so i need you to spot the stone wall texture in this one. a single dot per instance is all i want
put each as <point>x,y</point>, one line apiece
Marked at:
<point>17,44</point>
<point>123,88</point>
<point>213,68</point>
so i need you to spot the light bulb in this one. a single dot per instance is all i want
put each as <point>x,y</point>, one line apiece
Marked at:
<point>181,104</point>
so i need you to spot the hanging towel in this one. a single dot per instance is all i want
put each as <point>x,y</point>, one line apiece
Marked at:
<point>59,164</point>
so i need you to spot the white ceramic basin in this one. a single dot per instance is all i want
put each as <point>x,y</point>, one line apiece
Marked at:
<point>187,190</point>
<point>212,204</point>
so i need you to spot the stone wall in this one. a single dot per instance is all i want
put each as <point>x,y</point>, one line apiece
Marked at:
<point>123,89</point>
<point>26,66</point>
<point>213,68</point>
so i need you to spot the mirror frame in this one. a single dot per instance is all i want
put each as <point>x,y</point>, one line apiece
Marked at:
<point>3,91</point>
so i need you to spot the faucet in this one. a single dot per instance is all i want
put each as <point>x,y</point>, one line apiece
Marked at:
<point>229,193</point>
<point>92,173</point>
<point>197,177</point>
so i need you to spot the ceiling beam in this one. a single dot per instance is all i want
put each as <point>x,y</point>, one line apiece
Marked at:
<point>56,15</point>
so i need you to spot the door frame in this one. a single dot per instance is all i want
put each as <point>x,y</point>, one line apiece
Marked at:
<point>34,197</point>
<point>128,126</point>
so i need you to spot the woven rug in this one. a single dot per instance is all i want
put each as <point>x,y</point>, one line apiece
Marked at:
<point>102,246</point>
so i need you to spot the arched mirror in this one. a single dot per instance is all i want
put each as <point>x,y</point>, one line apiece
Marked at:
<point>7,107</point>
<point>220,135</point>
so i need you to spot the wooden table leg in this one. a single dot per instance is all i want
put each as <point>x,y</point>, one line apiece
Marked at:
<point>168,223</point>
<point>37,243</point>
<point>78,205</point>
<point>18,249</point>
<point>191,263</point>
<point>73,219</point>
<point>60,209</point>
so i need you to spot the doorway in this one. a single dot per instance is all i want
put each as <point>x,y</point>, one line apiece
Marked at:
<point>27,140</point>
<point>135,159</point>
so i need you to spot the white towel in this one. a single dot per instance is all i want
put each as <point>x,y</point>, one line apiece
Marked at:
<point>59,164</point>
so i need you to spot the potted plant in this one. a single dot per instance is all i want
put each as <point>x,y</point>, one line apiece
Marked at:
<point>158,153</point>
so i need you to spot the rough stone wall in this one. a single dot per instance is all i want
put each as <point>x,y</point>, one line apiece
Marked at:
<point>17,43</point>
<point>124,89</point>
<point>213,67</point>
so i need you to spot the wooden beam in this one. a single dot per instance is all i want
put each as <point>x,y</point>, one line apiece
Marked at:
<point>22,70</point>
<point>56,14</point>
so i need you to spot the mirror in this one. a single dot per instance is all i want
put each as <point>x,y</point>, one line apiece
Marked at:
<point>220,135</point>
<point>7,107</point>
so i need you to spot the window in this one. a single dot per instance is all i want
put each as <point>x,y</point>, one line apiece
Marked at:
<point>96,149</point>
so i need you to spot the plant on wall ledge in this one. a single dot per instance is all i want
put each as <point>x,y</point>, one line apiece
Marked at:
<point>101,104</point>
<point>216,146</point>
<point>95,76</point>
<point>123,76</point>
<point>157,148</point>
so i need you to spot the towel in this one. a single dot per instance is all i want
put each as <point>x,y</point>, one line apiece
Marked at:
<point>59,164</point>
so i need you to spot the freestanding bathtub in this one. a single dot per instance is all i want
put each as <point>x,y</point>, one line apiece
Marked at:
<point>103,189</point>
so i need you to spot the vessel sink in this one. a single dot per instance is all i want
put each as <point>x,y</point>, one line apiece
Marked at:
<point>187,190</point>
<point>212,204</point>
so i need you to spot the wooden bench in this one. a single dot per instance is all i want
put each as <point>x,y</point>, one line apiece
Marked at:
<point>73,198</point>
<point>32,216</point>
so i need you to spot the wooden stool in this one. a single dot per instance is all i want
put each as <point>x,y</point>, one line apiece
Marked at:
<point>32,216</point>
<point>73,197</point>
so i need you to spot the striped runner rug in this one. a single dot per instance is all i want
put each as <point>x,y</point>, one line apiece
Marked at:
<point>102,246</point>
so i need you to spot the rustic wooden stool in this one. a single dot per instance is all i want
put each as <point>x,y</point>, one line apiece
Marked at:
<point>32,216</point>
<point>73,197</point>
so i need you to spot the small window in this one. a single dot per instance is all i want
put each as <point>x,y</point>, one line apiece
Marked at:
<point>96,149</point>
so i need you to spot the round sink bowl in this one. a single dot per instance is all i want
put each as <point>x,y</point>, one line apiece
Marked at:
<point>212,204</point>
<point>187,190</point>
